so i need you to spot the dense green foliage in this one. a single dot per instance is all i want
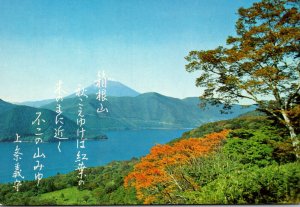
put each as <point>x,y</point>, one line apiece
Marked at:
<point>272,184</point>
<point>256,146</point>
<point>251,120</point>
<point>103,185</point>
<point>256,165</point>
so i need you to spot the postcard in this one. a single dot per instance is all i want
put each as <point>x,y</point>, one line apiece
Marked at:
<point>149,102</point>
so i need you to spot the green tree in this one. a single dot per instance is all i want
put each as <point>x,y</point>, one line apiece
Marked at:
<point>260,64</point>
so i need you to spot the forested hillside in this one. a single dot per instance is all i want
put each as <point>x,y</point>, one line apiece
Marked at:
<point>246,160</point>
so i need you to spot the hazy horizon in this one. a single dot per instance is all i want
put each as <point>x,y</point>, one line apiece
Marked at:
<point>140,43</point>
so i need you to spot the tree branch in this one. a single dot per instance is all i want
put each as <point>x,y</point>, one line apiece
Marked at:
<point>291,97</point>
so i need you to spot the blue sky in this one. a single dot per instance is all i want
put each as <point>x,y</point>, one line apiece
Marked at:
<point>141,43</point>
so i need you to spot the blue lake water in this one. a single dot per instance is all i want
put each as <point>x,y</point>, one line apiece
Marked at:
<point>120,145</point>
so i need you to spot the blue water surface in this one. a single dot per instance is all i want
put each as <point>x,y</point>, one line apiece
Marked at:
<point>120,145</point>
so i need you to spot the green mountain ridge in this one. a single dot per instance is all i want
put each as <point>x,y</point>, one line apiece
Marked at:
<point>146,111</point>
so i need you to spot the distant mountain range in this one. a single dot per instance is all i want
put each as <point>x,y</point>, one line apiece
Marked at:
<point>114,88</point>
<point>127,110</point>
<point>146,111</point>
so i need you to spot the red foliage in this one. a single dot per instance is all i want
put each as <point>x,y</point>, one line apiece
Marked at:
<point>151,171</point>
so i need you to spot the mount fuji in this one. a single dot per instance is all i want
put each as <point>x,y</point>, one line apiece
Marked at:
<point>114,88</point>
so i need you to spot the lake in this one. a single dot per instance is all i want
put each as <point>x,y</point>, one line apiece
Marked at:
<point>120,145</point>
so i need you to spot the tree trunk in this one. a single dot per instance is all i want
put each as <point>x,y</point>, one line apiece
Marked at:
<point>293,135</point>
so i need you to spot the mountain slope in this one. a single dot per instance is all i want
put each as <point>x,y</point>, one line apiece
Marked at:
<point>18,119</point>
<point>5,106</point>
<point>145,111</point>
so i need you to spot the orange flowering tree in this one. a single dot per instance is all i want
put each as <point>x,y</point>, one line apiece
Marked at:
<point>261,63</point>
<point>156,177</point>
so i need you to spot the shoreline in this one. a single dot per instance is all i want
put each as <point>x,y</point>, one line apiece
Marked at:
<point>101,139</point>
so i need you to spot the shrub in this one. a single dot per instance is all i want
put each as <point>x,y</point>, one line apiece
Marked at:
<point>273,184</point>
